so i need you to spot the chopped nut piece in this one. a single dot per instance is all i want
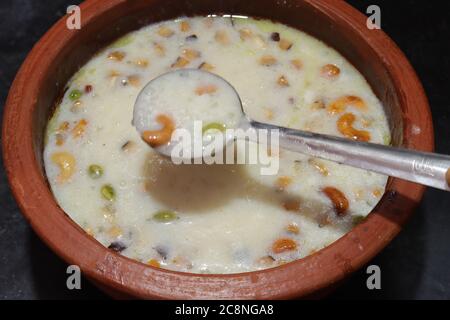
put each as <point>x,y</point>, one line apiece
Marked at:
<point>154,263</point>
<point>206,66</point>
<point>283,82</point>
<point>185,26</point>
<point>377,192</point>
<point>64,126</point>
<point>297,63</point>
<point>76,106</point>
<point>160,49</point>
<point>267,60</point>
<point>116,56</point>
<point>283,182</point>
<point>222,37</point>
<point>134,80</point>
<point>293,228</point>
<point>285,44</point>
<point>206,89</point>
<point>165,32</point>
<point>245,33</point>
<point>283,245</point>
<point>180,63</point>
<point>114,73</point>
<point>79,128</point>
<point>59,139</point>
<point>190,54</point>
<point>330,71</point>
<point>142,63</point>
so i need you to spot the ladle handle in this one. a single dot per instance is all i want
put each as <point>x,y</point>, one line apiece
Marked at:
<point>426,168</point>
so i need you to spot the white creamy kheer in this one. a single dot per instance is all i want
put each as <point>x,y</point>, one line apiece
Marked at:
<point>214,218</point>
<point>202,105</point>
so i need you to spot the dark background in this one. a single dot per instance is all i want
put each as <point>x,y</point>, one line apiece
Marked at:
<point>416,265</point>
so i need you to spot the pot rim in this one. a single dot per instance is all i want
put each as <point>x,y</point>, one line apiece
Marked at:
<point>298,278</point>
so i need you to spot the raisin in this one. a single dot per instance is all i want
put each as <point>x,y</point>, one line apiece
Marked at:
<point>117,246</point>
<point>275,36</point>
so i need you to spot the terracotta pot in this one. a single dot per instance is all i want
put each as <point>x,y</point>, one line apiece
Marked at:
<point>60,52</point>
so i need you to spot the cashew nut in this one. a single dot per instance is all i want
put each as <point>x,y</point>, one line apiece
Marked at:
<point>66,163</point>
<point>338,199</point>
<point>330,71</point>
<point>156,138</point>
<point>283,245</point>
<point>345,123</point>
<point>339,105</point>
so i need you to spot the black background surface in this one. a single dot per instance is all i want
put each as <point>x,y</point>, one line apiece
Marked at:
<point>416,265</point>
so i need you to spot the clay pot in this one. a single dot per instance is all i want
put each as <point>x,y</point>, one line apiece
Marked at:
<point>60,52</point>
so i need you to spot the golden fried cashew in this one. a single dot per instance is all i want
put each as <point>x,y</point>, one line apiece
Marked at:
<point>330,71</point>
<point>79,128</point>
<point>156,138</point>
<point>339,105</point>
<point>344,125</point>
<point>283,245</point>
<point>338,199</point>
<point>66,163</point>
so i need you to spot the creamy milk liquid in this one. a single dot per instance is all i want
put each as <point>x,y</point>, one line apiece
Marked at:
<point>213,218</point>
<point>200,96</point>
